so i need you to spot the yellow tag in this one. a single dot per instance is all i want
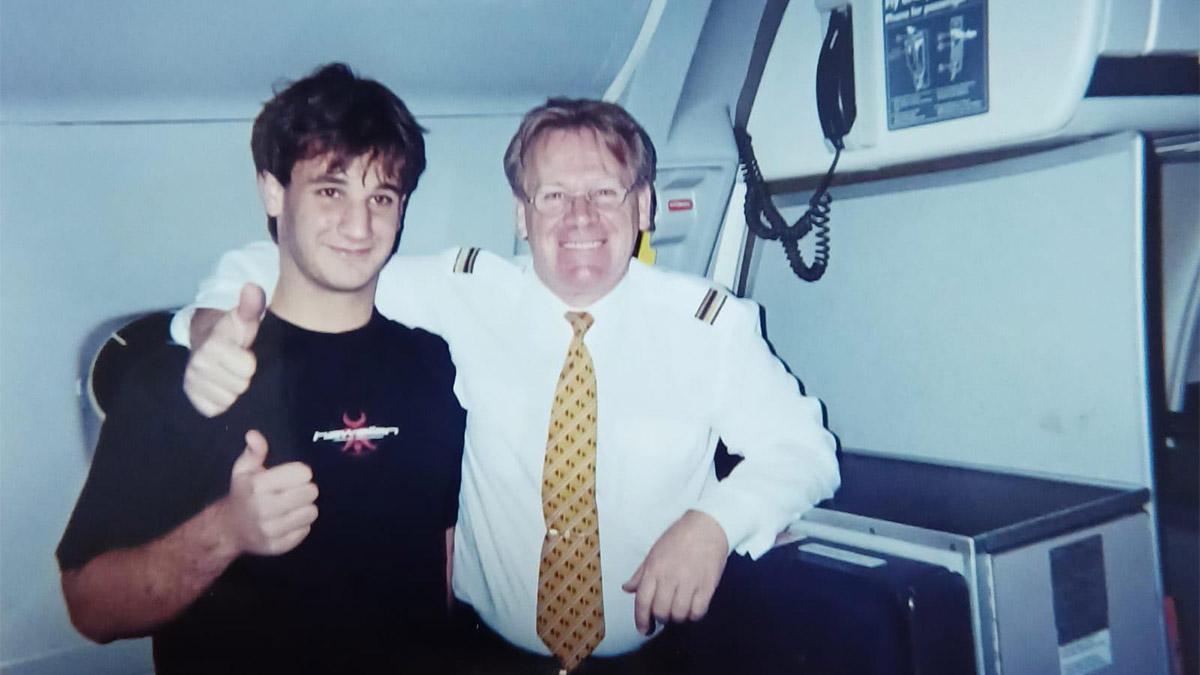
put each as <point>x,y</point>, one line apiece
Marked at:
<point>645,249</point>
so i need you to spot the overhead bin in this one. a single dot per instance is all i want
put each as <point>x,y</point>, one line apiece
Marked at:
<point>169,61</point>
<point>937,78</point>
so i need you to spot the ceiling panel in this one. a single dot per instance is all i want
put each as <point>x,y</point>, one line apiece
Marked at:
<point>168,59</point>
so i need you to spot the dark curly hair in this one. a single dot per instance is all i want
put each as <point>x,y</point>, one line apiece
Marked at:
<point>335,112</point>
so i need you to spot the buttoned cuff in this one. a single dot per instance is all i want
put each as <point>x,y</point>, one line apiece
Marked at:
<point>181,326</point>
<point>735,514</point>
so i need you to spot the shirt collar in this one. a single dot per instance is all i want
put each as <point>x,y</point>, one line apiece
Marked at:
<point>535,294</point>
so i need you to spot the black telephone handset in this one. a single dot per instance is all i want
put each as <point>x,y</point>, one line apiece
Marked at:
<point>836,110</point>
<point>835,78</point>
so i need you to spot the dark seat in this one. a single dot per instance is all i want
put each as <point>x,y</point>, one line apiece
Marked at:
<point>108,353</point>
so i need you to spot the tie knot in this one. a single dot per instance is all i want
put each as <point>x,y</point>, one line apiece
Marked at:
<point>580,321</point>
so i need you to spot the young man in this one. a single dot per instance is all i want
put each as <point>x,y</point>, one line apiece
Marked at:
<point>307,528</point>
<point>664,364</point>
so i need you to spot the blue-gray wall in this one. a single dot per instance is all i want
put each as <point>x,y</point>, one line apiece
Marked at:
<point>993,315</point>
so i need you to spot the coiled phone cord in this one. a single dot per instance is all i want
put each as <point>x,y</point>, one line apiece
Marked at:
<point>759,204</point>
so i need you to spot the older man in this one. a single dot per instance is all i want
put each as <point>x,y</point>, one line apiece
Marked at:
<point>596,389</point>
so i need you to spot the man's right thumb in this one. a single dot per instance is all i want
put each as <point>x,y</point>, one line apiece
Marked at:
<point>251,303</point>
<point>255,454</point>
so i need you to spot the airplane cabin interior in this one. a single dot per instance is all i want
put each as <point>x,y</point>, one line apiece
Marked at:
<point>972,226</point>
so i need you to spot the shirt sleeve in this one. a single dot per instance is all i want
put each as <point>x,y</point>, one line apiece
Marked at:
<point>257,262</point>
<point>789,458</point>
<point>141,482</point>
<point>411,289</point>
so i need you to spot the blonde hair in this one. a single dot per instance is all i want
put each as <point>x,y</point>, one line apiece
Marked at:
<point>622,135</point>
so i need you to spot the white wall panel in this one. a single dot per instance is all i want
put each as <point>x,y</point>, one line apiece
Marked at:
<point>990,315</point>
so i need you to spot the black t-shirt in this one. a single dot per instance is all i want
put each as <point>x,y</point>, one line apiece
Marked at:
<point>373,413</point>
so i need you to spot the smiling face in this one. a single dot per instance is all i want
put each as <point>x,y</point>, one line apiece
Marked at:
<point>582,253</point>
<point>336,225</point>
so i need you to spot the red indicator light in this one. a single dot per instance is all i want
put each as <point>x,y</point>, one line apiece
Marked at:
<point>679,205</point>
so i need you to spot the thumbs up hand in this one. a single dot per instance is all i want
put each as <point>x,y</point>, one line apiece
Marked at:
<point>268,511</point>
<point>219,370</point>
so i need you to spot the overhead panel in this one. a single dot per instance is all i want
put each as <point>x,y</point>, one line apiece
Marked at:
<point>152,60</point>
<point>937,78</point>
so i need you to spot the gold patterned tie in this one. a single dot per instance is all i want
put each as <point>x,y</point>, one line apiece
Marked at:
<point>570,614</point>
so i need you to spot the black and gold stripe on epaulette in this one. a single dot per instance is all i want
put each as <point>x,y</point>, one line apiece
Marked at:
<point>465,262</point>
<point>711,306</point>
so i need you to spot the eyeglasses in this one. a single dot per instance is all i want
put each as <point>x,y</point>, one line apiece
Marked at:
<point>553,202</point>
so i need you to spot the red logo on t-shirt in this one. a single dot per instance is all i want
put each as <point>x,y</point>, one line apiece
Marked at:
<point>356,437</point>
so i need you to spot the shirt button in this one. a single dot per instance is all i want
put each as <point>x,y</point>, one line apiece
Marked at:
<point>554,532</point>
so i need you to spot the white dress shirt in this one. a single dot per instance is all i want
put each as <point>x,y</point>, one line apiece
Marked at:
<point>668,385</point>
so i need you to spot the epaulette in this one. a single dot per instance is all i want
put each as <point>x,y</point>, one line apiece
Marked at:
<point>465,262</point>
<point>711,305</point>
